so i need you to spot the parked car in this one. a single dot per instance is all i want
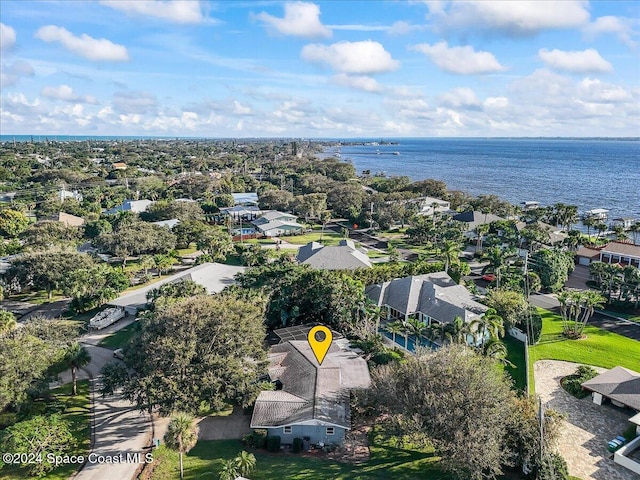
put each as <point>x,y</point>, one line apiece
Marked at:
<point>489,277</point>
<point>119,354</point>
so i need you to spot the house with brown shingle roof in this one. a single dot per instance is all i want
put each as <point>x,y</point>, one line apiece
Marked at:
<point>622,253</point>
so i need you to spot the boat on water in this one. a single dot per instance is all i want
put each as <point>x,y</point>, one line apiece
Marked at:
<point>396,153</point>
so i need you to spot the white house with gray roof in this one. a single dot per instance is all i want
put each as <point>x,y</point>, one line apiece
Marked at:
<point>344,256</point>
<point>313,401</point>
<point>433,297</point>
<point>273,223</point>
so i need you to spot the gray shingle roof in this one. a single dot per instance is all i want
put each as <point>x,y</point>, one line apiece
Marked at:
<point>434,294</point>
<point>619,384</point>
<point>343,256</point>
<point>310,391</point>
<point>475,218</point>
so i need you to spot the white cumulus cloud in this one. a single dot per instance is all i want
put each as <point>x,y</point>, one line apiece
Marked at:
<point>621,27</point>
<point>459,60</point>
<point>66,94</point>
<point>495,102</point>
<point>84,45</point>
<point>365,57</point>
<point>359,82</point>
<point>177,11</point>
<point>521,18</point>
<point>300,20</point>
<point>586,61</point>
<point>240,109</point>
<point>460,98</point>
<point>7,37</point>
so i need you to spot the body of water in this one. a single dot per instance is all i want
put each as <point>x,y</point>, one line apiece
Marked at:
<point>586,173</point>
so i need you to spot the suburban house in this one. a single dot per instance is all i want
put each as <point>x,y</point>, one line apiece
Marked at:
<point>429,205</point>
<point>119,166</point>
<point>311,401</point>
<point>67,219</point>
<point>474,218</point>
<point>135,206</point>
<point>213,276</point>
<point>621,387</point>
<point>429,298</point>
<point>274,224</point>
<point>66,194</point>
<point>344,256</point>
<point>246,199</point>
<point>622,253</point>
<point>241,212</point>
<point>586,255</point>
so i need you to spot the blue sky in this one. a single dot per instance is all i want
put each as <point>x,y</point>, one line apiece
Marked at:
<point>322,69</point>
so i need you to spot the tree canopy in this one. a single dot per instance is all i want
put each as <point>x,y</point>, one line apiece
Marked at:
<point>203,349</point>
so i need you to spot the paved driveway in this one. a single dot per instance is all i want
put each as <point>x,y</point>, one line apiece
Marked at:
<point>588,428</point>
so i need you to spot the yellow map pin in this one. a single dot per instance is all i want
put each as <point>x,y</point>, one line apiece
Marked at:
<point>320,338</point>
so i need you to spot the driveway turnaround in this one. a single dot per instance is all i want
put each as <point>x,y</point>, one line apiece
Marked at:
<point>588,428</point>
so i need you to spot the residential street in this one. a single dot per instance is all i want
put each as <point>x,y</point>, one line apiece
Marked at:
<point>118,427</point>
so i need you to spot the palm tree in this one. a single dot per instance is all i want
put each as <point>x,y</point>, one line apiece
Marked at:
<point>325,217</point>
<point>588,222</point>
<point>394,328</point>
<point>481,231</point>
<point>182,435</point>
<point>620,233</point>
<point>635,229</point>
<point>449,253</point>
<point>76,357</point>
<point>229,470</point>
<point>439,331</point>
<point>459,330</point>
<point>245,463</point>
<point>497,350</point>
<point>488,326</point>
<point>416,328</point>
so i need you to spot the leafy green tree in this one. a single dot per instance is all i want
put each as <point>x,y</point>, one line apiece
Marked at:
<point>163,263</point>
<point>553,266</point>
<point>95,228</point>
<point>12,223</point>
<point>509,305</point>
<point>174,292</point>
<point>253,254</point>
<point>276,200</point>
<point>76,357</point>
<point>47,271</point>
<point>167,210</point>
<point>27,353</point>
<point>39,437</point>
<point>345,199</point>
<point>182,435</point>
<point>7,322</point>
<point>47,234</point>
<point>136,238</point>
<point>114,375</point>
<point>456,398</point>
<point>202,349</point>
<point>215,242</point>
<point>188,231</point>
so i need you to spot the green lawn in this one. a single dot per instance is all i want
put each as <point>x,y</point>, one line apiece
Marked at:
<point>601,348</point>
<point>206,459</point>
<point>515,354</point>
<point>187,251</point>
<point>78,414</point>
<point>329,238</point>
<point>120,338</point>
<point>629,316</point>
<point>37,298</point>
